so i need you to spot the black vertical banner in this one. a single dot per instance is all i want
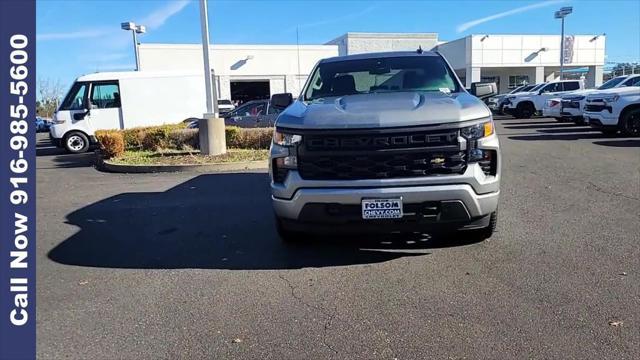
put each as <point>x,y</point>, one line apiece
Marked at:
<point>17,179</point>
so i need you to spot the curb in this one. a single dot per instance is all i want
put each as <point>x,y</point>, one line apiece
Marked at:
<point>208,168</point>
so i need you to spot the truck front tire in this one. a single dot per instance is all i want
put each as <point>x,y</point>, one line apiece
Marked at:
<point>486,232</point>
<point>76,142</point>
<point>525,111</point>
<point>630,123</point>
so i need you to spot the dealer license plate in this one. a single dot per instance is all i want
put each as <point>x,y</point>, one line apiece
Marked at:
<point>382,208</point>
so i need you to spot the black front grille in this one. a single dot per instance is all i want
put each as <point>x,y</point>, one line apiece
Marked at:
<point>567,104</point>
<point>380,155</point>
<point>596,107</point>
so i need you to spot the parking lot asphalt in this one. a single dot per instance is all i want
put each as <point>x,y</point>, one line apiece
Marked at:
<point>179,265</point>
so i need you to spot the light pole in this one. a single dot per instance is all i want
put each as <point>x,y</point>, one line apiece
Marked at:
<point>135,30</point>
<point>211,128</point>
<point>561,14</point>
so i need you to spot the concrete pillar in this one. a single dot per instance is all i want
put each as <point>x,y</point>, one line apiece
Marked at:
<point>212,135</point>
<point>472,75</point>
<point>504,84</point>
<point>539,75</point>
<point>594,76</point>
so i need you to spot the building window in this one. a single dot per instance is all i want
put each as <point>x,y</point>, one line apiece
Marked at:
<point>517,80</point>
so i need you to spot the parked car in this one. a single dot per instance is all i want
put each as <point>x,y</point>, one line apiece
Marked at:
<point>224,106</point>
<point>121,100</point>
<point>42,125</point>
<point>573,104</point>
<point>525,105</point>
<point>613,110</point>
<point>414,152</point>
<point>530,89</point>
<point>496,103</point>
<point>256,113</point>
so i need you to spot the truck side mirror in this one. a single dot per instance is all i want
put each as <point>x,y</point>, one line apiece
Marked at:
<point>483,90</point>
<point>281,101</point>
<point>80,115</point>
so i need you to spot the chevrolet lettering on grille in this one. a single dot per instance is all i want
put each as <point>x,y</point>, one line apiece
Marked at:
<point>376,142</point>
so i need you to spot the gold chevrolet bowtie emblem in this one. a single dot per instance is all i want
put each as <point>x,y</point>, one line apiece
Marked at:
<point>437,161</point>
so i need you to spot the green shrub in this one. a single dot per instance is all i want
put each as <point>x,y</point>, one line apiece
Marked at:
<point>254,138</point>
<point>178,137</point>
<point>248,138</point>
<point>231,135</point>
<point>183,139</point>
<point>156,138</point>
<point>111,143</point>
<point>135,138</point>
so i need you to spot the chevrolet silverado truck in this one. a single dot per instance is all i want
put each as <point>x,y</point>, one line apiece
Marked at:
<point>572,105</point>
<point>613,110</point>
<point>527,104</point>
<point>496,103</point>
<point>385,142</point>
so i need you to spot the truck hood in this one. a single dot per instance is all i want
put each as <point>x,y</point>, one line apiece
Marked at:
<point>523,94</point>
<point>573,94</point>
<point>382,110</point>
<point>624,90</point>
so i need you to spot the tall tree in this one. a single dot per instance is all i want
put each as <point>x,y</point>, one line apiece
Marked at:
<point>50,95</point>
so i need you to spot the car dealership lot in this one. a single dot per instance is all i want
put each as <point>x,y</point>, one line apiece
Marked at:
<point>189,266</point>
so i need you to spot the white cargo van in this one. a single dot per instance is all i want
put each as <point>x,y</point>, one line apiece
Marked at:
<point>122,100</point>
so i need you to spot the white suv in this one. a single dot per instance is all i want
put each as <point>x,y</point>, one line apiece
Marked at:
<point>614,110</point>
<point>571,105</point>
<point>525,105</point>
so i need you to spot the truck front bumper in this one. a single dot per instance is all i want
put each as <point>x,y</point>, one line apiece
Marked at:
<point>456,205</point>
<point>55,141</point>
<point>603,119</point>
<point>459,202</point>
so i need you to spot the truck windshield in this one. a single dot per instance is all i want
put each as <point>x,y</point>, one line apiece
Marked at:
<point>392,74</point>
<point>526,88</point>
<point>537,87</point>
<point>611,83</point>
<point>75,99</point>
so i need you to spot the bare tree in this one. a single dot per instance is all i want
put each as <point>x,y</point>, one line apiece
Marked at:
<point>50,95</point>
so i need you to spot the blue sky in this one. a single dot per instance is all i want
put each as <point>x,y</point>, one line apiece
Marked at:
<point>79,37</point>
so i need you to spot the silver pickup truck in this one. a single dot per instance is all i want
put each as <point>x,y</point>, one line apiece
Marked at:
<point>385,142</point>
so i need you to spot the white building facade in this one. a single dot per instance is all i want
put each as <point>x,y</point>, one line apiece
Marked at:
<point>246,72</point>
<point>276,68</point>
<point>510,60</point>
<point>358,43</point>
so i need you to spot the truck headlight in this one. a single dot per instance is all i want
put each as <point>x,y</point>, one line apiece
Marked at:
<point>611,98</point>
<point>282,165</point>
<point>285,139</point>
<point>478,131</point>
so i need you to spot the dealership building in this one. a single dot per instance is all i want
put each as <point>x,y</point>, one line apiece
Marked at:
<point>246,72</point>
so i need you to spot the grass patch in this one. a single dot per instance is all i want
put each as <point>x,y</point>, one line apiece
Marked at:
<point>176,157</point>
